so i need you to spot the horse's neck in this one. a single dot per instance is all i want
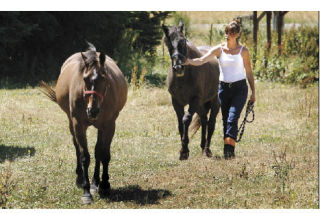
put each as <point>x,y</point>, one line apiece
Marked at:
<point>193,52</point>
<point>180,81</point>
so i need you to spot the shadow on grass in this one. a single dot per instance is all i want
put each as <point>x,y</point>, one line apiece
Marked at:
<point>13,152</point>
<point>134,193</point>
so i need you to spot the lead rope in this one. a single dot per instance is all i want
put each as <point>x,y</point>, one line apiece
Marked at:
<point>249,109</point>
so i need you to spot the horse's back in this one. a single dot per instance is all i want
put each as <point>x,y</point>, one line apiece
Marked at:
<point>210,80</point>
<point>69,71</point>
<point>74,59</point>
<point>204,49</point>
<point>209,76</point>
<point>118,84</point>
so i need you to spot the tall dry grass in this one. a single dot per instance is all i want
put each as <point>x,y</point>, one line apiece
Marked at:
<point>276,164</point>
<point>224,17</point>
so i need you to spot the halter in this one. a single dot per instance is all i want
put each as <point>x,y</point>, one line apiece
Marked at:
<point>179,54</point>
<point>88,92</point>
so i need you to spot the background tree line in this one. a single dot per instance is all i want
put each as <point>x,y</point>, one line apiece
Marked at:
<point>34,45</point>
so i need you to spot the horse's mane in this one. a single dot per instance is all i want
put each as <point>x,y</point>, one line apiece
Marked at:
<point>193,50</point>
<point>91,55</point>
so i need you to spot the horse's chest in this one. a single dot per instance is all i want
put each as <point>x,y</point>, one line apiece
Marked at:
<point>181,93</point>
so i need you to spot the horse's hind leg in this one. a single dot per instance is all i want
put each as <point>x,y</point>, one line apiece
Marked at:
<point>204,123</point>
<point>81,142</point>
<point>212,120</point>
<point>79,172</point>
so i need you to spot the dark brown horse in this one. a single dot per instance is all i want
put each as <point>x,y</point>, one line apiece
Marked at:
<point>193,86</point>
<point>91,90</point>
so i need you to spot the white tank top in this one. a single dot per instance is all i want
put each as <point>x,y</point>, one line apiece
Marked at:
<point>231,67</point>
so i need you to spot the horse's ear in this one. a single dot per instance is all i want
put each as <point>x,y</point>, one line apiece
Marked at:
<point>165,30</point>
<point>84,59</point>
<point>102,58</point>
<point>180,28</point>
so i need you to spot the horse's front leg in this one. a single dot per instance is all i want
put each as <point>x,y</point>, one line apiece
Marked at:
<point>212,121</point>
<point>103,155</point>
<point>186,120</point>
<point>84,158</point>
<point>96,176</point>
<point>178,108</point>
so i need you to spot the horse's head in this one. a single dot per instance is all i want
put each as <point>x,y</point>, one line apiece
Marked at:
<point>177,46</point>
<point>94,74</point>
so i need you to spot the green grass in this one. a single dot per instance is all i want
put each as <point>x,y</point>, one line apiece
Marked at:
<point>276,164</point>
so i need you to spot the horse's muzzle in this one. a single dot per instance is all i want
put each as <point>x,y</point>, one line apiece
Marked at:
<point>178,67</point>
<point>92,113</point>
<point>178,70</point>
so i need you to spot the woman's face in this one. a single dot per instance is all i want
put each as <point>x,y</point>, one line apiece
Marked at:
<point>230,35</point>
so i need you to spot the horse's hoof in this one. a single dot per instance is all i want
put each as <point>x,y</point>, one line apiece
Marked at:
<point>207,152</point>
<point>184,155</point>
<point>94,189</point>
<point>87,199</point>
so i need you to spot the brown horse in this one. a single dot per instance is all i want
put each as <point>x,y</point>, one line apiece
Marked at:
<point>91,90</point>
<point>193,86</point>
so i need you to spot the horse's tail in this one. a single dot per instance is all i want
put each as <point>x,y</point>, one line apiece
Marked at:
<point>48,91</point>
<point>195,125</point>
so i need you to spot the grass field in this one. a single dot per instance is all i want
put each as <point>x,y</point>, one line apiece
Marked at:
<point>276,164</point>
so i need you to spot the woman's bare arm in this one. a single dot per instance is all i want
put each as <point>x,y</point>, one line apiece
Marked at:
<point>247,66</point>
<point>215,51</point>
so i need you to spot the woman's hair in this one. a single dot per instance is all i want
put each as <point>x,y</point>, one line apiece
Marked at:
<point>233,27</point>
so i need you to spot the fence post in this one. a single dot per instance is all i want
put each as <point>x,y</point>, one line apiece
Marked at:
<point>269,14</point>
<point>255,38</point>
<point>275,20</point>
<point>210,34</point>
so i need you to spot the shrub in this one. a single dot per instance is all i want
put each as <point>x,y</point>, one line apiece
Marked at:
<point>298,62</point>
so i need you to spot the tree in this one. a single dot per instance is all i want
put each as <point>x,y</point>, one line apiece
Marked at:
<point>34,44</point>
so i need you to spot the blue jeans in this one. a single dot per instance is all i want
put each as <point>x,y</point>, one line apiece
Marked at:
<point>232,98</point>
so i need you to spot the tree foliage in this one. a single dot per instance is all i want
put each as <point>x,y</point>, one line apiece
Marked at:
<point>33,45</point>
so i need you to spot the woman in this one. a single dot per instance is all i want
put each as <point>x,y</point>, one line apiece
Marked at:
<point>233,89</point>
